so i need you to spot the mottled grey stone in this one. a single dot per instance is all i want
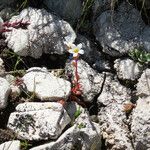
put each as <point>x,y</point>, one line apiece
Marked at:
<point>38,121</point>
<point>140,125</point>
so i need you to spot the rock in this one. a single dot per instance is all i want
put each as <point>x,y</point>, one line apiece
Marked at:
<point>140,124</point>
<point>113,91</point>
<point>69,10</point>
<point>5,91</point>
<point>73,110</point>
<point>38,121</point>
<point>45,85</point>
<point>11,145</point>
<point>6,13</point>
<point>6,3</point>
<point>100,6</point>
<point>15,90</point>
<point>83,135</point>
<point>145,39</point>
<point>45,33</point>
<point>127,69</point>
<point>119,33</point>
<point>89,79</point>
<point>112,116</point>
<point>2,68</point>
<point>92,54</point>
<point>143,88</point>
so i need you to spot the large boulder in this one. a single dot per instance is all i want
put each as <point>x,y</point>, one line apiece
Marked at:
<point>112,116</point>
<point>140,125</point>
<point>45,33</point>
<point>38,121</point>
<point>119,32</point>
<point>45,85</point>
<point>69,10</point>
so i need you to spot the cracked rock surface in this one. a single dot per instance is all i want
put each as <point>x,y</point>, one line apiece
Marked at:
<point>112,117</point>
<point>45,33</point>
<point>38,121</point>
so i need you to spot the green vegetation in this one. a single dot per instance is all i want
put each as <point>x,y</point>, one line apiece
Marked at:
<point>81,125</point>
<point>25,145</point>
<point>77,113</point>
<point>140,56</point>
<point>83,21</point>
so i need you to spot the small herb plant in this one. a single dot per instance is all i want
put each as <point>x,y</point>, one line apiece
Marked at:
<point>141,56</point>
<point>75,51</point>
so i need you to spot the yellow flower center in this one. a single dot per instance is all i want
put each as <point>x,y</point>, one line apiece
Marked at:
<point>76,50</point>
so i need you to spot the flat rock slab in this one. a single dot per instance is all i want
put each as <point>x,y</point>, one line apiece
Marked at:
<point>38,121</point>
<point>10,145</point>
<point>83,135</point>
<point>4,92</point>
<point>45,85</point>
<point>45,33</point>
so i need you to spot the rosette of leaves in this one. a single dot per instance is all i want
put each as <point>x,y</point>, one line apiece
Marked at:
<point>141,56</point>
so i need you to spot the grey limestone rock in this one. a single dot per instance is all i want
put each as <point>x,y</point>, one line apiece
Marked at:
<point>112,116</point>
<point>83,135</point>
<point>45,33</point>
<point>45,85</point>
<point>119,33</point>
<point>143,85</point>
<point>4,92</point>
<point>11,145</point>
<point>69,10</point>
<point>127,69</point>
<point>89,79</point>
<point>140,125</point>
<point>38,121</point>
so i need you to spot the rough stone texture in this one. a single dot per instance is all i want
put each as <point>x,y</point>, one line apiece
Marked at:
<point>89,79</point>
<point>4,92</point>
<point>85,138</point>
<point>143,85</point>
<point>145,38</point>
<point>119,33</point>
<point>112,117</point>
<point>140,126</point>
<point>38,121</point>
<point>6,3</point>
<point>10,145</point>
<point>69,10</point>
<point>15,90</point>
<point>2,68</point>
<point>100,6</point>
<point>127,69</point>
<point>46,33</point>
<point>45,85</point>
<point>6,13</point>
<point>92,55</point>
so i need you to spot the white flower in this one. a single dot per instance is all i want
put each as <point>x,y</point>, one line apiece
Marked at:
<point>75,50</point>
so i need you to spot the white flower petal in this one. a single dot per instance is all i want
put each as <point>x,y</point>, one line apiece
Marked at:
<point>81,51</point>
<point>79,46</point>
<point>71,51</point>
